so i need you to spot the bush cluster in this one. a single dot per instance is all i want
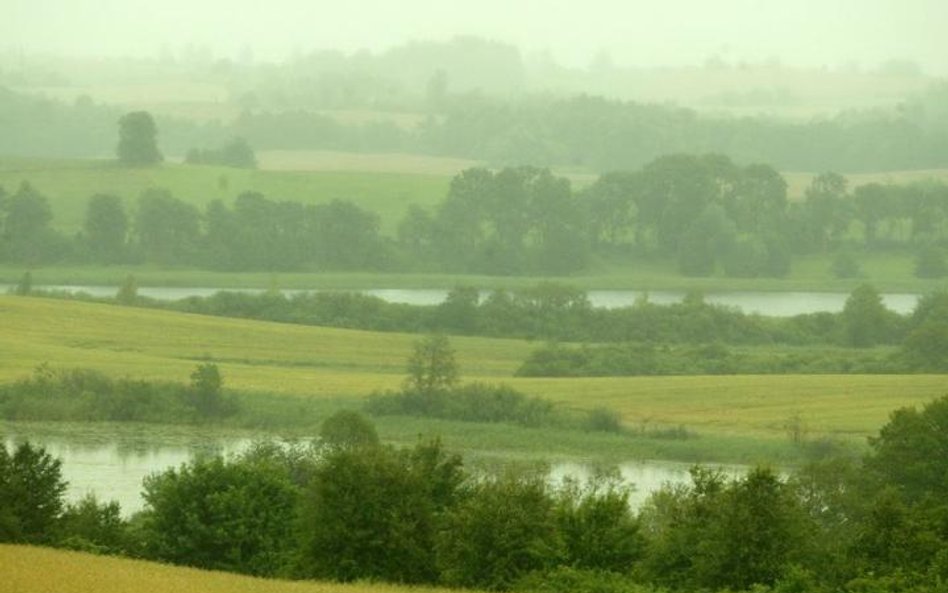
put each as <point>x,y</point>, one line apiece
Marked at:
<point>474,402</point>
<point>84,394</point>
<point>634,359</point>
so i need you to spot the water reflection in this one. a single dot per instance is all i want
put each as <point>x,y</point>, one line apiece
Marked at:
<point>777,304</point>
<point>111,461</point>
<point>645,476</point>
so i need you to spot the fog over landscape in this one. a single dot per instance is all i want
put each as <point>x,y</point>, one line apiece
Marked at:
<point>500,295</point>
<point>671,33</point>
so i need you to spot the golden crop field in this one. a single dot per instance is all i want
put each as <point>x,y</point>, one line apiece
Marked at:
<point>325,362</point>
<point>25,569</point>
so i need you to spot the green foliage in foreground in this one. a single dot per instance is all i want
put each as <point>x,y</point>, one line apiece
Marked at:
<point>417,515</point>
<point>222,516</point>
<point>31,490</point>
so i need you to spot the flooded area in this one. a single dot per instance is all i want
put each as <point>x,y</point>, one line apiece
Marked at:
<point>776,304</point>
<point>111,461</point>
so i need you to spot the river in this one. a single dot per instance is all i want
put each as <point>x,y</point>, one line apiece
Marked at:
<point>111,460</point>
<point>775,304</point>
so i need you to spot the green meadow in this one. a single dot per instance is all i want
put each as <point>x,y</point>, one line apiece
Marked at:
<point>69,184</point>
<point>888,272</point>
<point>333,367</point>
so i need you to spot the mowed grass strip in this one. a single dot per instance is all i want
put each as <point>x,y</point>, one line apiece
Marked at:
<point>43,570</point>
<point>69,184</point>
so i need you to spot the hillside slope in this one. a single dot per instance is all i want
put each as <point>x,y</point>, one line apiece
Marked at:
<point>42,570</point>
<point>326,362</point>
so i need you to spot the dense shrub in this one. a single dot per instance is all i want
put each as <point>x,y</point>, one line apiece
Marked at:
<point>474,402</point>
<point>93,526</point>
<point>598,528</point>
<point>613,360</point>
<point>373,512</point>
<point>717,534</point>
<point>31,491</point>
<point>222,515</point>
<point>503,529</point>
<point>84,394</point>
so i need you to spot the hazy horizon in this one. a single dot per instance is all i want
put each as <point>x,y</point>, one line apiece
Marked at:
<point>806,33</point>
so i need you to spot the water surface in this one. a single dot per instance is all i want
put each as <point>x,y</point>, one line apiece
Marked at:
<point>111,461</point>
<point>776,304</point>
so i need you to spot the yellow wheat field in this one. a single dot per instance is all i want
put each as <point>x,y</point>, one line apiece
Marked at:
<point>25,569</point>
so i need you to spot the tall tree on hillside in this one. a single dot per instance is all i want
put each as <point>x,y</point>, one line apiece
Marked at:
<point>611,209</point>
<point>137,144</point>
<point>167,229</point>
<point>759,201</point>
<point>866,321</point>
<point>106,228</point>
<point>872,205</point>
<point>26,235</point>
<point>827,210</point>
<point>432,366</point>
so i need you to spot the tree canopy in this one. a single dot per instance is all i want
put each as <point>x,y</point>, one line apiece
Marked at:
<point>138,140</point>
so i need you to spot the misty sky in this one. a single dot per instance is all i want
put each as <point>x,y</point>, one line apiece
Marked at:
<point>663,32</point>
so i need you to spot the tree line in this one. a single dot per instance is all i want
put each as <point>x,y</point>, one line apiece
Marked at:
<point>251,234</point>
<point>704,215</point>
<point>350,508</point>
<point>690,337</point>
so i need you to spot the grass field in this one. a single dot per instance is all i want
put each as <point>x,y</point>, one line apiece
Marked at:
<point>327,160</point>
<point>254,356</point>
<point>43,570</point>
<point>345,365</point>
<point>69,184</point>
<point>888,272</point>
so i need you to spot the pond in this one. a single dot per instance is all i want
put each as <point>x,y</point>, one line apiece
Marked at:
<point>111,461</point>
<point>776,304</point>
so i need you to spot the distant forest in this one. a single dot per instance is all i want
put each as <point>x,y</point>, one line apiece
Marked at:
<point>588,132</point>
<point>476,99</point>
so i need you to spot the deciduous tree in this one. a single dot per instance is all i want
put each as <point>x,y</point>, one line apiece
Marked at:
<point>138,144</point>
